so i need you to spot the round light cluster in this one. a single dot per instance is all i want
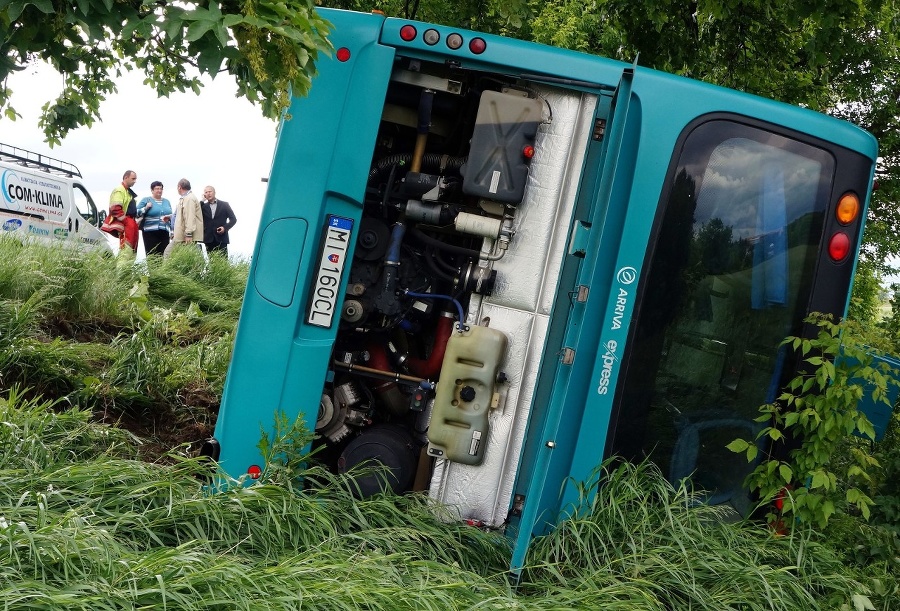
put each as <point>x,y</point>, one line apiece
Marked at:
<point>431,37</point>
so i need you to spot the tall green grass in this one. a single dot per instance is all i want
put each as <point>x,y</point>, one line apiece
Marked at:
<point>150,341</point>
<point>675,553</point>
<point>76,286</point>
<point>84,526</point>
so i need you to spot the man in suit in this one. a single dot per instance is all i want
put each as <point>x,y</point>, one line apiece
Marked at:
<point>218,219</point>
<point>188,216</point>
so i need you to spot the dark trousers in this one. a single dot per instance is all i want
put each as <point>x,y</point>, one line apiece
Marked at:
<point>217,247</point>
<point>155,242</point>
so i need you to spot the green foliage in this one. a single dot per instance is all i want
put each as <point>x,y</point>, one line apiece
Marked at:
<point>865,299</point>
<point>886,485</point>
<point>269,46</point>
<point>507,17</point>
<point>870,550</point>
<point>891,325</point>
<point>150,342</point>
<point>808,426</point>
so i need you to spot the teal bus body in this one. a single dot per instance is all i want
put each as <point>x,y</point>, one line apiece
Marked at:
<point>643,310</point>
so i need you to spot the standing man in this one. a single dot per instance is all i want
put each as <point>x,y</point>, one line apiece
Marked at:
<point>188,216</point>
<point>218,219</point>
<point>123,194</point>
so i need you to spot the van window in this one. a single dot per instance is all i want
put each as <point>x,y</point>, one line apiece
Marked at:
<point>85,205</point>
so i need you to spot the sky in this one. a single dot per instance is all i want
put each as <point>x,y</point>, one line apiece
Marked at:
<point>211,139</point>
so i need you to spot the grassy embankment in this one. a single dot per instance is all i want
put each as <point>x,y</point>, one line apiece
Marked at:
<point>91,520</point>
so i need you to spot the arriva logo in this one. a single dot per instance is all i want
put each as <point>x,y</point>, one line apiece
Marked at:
<point>625,276</point>
<point>609,359</point>
<point>12,225</point>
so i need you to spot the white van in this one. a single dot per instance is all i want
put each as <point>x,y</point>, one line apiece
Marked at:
<point>43,198</point>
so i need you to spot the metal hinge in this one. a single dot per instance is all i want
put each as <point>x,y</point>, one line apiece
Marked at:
<point>599,130</point>
<point>581,293</point>
<point>578,241</point>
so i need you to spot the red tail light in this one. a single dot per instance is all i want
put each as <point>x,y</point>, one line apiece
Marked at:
<point>477,46</point>
<point>839,247</point>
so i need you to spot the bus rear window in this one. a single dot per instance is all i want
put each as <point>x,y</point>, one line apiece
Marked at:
<point>730,277</point>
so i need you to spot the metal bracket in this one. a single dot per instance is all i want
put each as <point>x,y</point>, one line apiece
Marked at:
<point>578,241</point>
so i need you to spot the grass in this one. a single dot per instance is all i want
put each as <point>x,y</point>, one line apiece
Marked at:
<point>83,525</point>
<point>147,344</point>
<point>89,519</point>
<point>678,554</point>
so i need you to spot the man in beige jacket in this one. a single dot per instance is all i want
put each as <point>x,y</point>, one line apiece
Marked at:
<point>188,216</point>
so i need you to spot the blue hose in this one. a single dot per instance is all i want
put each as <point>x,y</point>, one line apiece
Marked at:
<point>393,253</point>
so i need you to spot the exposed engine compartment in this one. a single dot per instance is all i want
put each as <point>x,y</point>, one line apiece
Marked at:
<point>418,370</point>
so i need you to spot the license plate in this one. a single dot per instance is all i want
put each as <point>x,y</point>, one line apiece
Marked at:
<point>326,289</point>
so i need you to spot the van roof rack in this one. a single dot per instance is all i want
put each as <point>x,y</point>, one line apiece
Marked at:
<point>30,159</point>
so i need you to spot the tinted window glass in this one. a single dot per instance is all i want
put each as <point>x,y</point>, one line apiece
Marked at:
<point>85,205</point>
<point>730,277</point>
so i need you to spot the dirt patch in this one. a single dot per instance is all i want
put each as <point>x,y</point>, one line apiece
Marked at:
<point>164,431</point>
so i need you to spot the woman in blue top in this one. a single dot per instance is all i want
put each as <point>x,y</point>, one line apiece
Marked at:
<point>157,214</point>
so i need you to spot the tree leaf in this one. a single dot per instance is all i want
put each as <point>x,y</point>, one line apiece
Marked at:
<point>15,10</point>
<point>819,479</point>
<point>752,453</point>
<point>197,29</point>
<point>173,28</point>
<point>44,6</point>
<point>861,602</point>
<point>738,445</point>
<point>209,62</point>
<point>827,509</point>
<point>786,473</point>
<point>230,21</point>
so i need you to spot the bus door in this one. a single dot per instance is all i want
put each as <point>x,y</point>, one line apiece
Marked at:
<point>564,386</point>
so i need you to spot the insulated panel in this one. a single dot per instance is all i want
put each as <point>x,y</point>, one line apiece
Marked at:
<point>520,306</point>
